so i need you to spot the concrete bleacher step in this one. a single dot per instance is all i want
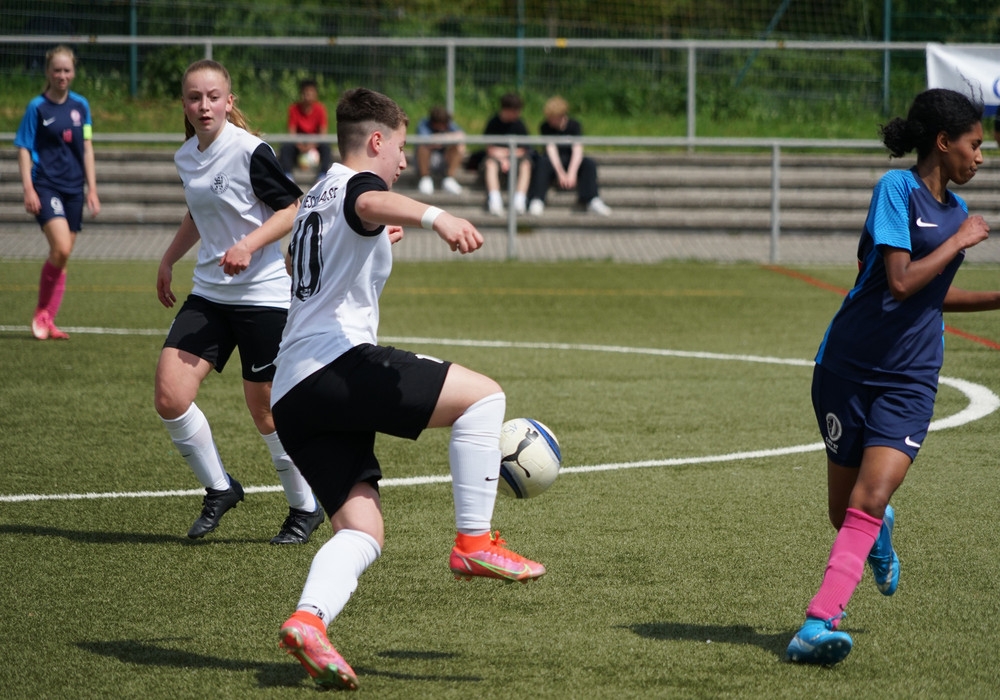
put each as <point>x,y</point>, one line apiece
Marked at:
<point>669,192</point>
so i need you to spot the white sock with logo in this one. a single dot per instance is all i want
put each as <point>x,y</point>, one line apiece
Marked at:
<point>334,573</point>
<point>474,454</point>
<point>192,436</point>
<point>297,490</point>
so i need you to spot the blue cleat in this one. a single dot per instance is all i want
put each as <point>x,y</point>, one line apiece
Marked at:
<point>817,642</point>
<point>882,559</point>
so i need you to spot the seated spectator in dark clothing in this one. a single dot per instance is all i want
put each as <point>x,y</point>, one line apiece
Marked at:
<point>564,164</point>
<point>497,159</point>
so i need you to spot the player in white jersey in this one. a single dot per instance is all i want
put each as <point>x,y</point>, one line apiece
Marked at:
<point>335,387</point>
<point>240,204</point>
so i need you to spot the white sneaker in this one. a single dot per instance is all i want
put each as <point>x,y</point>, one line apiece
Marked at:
<point>520,203</point>
<point>451,185</point>
<point>426,185</point>
<point>495,207</point>
<point>536,208</point>
<point>598,207</point>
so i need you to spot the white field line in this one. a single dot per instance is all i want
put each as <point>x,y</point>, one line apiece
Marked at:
<point>982,402</point>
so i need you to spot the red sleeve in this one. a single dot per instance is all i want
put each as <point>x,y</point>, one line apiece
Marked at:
<point>294,119</point>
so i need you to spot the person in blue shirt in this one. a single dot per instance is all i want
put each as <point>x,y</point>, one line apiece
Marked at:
<point>55,157</point>
<point>876,371</point>
<point>445,157</point>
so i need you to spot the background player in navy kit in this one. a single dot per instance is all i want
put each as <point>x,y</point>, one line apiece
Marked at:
<point>240,204</point>
<point>876,370</point>
<point>335,387</point>
<point>56,159</point>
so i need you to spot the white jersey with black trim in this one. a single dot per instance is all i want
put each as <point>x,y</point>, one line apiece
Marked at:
<point>338,273</point>
<point>231,188</point>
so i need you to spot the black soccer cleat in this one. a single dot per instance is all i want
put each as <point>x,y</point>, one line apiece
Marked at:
<point>298,526</point>
<point>214,506</point>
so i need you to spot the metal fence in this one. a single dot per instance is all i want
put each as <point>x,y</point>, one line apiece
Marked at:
<point>605,75</point>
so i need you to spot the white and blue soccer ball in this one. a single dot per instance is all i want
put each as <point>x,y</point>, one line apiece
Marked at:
<point>309,159</point>
<point>529,458</point>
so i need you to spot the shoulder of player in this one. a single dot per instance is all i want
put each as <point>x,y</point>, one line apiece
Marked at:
<point>79,99</point>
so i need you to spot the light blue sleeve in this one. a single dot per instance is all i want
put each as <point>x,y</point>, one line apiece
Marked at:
<point>25,137</point>
<point>889,213</point>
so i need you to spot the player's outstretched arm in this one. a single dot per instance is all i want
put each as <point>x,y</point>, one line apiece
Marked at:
<point>389,208</point>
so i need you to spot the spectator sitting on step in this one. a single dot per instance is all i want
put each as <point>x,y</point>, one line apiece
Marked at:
<point>496,160</point>
<point>440,158</point>
<point>307,116</point>
<point>564,163</point>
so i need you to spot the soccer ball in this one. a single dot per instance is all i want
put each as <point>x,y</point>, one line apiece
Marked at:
<point>529,458</point>
<point>309,159</point>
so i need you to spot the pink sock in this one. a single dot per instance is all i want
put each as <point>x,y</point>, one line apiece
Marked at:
<point>846,565</point>
<point>51,288</point>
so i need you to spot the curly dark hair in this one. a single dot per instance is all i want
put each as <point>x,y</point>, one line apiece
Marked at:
<point>932,112</point>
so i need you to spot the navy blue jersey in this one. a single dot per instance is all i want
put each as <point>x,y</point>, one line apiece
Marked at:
<point>873,338</point>
<point>54,134</point>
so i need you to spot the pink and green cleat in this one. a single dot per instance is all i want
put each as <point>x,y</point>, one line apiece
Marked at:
<point>495,561</point>
<point>310,646</point>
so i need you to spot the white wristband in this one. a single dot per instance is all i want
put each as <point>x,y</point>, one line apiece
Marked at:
<point>430,216</point>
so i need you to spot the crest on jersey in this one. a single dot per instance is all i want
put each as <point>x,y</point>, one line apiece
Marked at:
<point>220,184</point>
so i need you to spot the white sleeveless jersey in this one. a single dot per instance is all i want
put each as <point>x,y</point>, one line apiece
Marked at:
<point>231,188</point>
<point>338,273</point>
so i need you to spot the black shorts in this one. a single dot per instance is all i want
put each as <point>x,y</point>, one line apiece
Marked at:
<point>212,331</point>
<point>328,421</point>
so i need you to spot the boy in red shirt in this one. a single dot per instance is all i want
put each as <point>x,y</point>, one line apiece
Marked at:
<point>307,116</point>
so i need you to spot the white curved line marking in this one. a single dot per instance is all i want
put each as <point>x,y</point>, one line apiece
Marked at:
<point>982,402</point>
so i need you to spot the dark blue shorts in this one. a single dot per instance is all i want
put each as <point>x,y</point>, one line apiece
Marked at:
<point>59,204</point>
<point>854,416</point>
<point>212,331</point>
<point>328,421</point>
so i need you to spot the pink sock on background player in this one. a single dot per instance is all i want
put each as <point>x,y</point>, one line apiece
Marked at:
<point>846,565</point>
<point>51,287</point>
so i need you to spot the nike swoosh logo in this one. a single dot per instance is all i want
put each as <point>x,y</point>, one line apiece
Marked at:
<point>909,443</point>
<point>925,224</point>
<point>46,122</point>
<point>255,368</point>
<point>493,479</point>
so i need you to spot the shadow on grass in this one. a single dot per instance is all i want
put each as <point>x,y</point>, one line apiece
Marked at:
<point>105,537</point>
<point>269,674</point>
<point>775,643</point>
<point>151,653</point>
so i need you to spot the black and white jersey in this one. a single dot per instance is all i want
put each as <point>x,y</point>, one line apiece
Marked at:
<point>338,272</point>
<point>231,188</point>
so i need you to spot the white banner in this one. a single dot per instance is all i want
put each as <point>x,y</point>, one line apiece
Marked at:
<point>957,68</point>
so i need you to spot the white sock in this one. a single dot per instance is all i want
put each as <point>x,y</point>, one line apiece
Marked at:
<point>519,200</point>
<point>297,490</point>
<point>193,437</point>
<point>474,454</point>
<point>495,199</point>
<point>334,573</point>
